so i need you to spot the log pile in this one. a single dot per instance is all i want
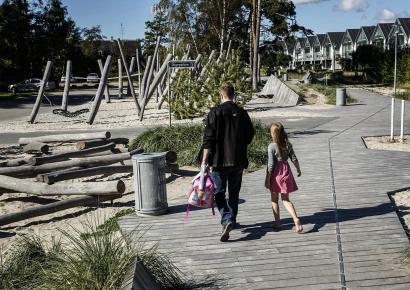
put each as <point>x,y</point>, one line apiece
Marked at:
<point>89,154</point>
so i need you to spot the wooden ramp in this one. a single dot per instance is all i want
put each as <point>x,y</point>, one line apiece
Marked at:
<point>352,239</point>
<point>281,94</point>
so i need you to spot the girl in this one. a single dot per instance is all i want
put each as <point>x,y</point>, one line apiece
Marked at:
<point>279,179</point>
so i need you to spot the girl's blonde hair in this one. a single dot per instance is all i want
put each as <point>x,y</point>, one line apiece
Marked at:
<point>279,136</point>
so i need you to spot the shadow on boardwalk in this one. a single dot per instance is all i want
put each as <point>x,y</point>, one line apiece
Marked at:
<point>319,220</point>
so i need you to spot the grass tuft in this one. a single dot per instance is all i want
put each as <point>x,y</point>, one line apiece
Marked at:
<point>187,142</point>
<point>329,92</point>
<point>94,258</point>
<point>405,257</point>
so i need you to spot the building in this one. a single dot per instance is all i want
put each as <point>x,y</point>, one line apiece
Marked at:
<point>380,35</point>
<point>365,35</point>
<point>327,49</point>
<point>402,27</point>
<point>349,42</point>
<point>332,49</point>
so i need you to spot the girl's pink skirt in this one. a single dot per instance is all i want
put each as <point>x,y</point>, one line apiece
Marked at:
<point>282,180</point>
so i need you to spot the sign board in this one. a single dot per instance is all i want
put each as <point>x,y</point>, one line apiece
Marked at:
<point>182,63</point>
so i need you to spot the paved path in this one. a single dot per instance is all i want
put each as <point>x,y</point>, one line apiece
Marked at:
<point>352,239</point>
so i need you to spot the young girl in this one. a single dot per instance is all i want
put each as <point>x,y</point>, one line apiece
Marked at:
<point>279,179</point>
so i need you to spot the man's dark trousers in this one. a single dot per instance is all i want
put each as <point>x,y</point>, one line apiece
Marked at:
<point>231,177</point>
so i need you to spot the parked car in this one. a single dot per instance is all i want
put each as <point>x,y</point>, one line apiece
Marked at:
<point>29,85</point>
<point>93,78</point>
<point>72,79</point>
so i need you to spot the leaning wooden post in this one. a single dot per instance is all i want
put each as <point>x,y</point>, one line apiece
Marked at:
<point>106,91</point>
<point>138,69</point>
<point>119,79</point>
<point>144,78</point>
<point>152,67</point>
<point>155,83</point>
<point>131,69</point>
<point>40,95</point>
<point>101,86</point>
<point>66,86</point>
<point>205,67</point>
<point>129,78</point>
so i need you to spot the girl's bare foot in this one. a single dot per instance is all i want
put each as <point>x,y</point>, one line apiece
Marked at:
<point>299,227</point>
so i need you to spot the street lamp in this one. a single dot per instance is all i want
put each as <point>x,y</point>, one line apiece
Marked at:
<point>394,86</point>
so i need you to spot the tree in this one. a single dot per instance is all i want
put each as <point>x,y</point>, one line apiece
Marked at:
<point>158,27</point>
<point>15,38</point>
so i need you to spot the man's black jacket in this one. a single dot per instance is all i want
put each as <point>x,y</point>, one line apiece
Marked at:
<point>228,132</point>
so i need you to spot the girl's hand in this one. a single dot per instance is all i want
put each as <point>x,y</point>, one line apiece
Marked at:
<point>299,173</point>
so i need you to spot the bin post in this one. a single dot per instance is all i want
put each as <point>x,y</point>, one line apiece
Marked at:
<point>150,184</point>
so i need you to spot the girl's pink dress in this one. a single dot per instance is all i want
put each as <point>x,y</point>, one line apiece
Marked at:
<point>282,180</point>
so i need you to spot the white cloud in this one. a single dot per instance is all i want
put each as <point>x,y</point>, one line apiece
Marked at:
<point>386,15</point>
<point>352,5</point>
<point>296,2</point>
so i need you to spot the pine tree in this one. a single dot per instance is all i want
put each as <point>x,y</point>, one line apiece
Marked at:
<point>159,26</point>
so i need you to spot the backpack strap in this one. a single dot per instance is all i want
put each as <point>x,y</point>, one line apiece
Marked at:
<point>188,207</point>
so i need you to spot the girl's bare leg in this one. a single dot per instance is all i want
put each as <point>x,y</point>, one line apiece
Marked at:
<point>275,207</point>
<point>291,209</point>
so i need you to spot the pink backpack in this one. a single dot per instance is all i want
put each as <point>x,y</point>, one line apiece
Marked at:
<point>202,192</point>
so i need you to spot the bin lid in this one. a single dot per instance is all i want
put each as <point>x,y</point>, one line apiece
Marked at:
<point>148,156</point>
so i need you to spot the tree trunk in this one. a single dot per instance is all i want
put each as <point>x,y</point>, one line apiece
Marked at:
<point>79,188</point>
<point>96,143</point>
<point>55,207</point>
<point>36,147</point>
<point>255,37</point>
<point>65,137</point>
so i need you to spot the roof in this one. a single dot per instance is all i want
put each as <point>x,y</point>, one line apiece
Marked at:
<point>354,33</point>
<point>336,38</point>
<point>302,41</point>
<point>290,44</point>
<point>385,28</point>
<point>368,31</point>
<point>321,38</point>
<point>405,23</point>
<point>311,39</point>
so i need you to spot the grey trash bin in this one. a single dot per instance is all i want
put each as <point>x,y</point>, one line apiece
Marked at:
<point>340,96</point>
<point>285,77</point>
<point>149,184</point>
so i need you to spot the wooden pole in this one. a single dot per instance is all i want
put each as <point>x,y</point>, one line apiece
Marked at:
<point>129,77</point>
<point>131,69</point>
<point>139,70</point>
<point>64,103</point>
<point>80,188</point>
<point>83,162</point>
<point>55,207</point>
<point>152,67</point>
<point>205,67</point>
<point>68,155</point>
<point>40,94</point>
<point>65,137</point>
<point>119,79</point>
<point>101,87</point>
<point>158,77</point>
<point>144,78</point>
<point>95,143</point>
<point>106,90</point>
<point>36,147</point>
<point>54,177</point>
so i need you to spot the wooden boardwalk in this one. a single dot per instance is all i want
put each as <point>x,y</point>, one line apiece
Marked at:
<point>355,246</point>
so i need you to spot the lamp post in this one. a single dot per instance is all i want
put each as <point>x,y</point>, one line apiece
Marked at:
<point>394,88</point>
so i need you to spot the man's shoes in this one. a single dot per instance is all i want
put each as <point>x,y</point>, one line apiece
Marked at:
<point>225,231</point>
<point>235,224</point>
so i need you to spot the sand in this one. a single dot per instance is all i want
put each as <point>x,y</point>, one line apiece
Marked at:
<point>402,201</point>
<point>383,143</point>
<point>122,113</point>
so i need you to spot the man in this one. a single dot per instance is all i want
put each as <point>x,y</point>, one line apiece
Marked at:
<point>228,132</point>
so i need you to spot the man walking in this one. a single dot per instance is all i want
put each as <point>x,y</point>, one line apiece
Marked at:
<point>228,132</point>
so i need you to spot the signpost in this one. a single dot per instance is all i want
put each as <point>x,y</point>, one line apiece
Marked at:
<point>177,64</point>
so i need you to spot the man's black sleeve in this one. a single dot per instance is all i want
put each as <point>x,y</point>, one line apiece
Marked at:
<point>249,129</point>
<point>209,139</point>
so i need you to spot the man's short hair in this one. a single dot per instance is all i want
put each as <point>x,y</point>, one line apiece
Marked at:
<point>228,90</point>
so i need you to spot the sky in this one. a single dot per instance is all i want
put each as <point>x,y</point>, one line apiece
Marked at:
<point>319,15</point>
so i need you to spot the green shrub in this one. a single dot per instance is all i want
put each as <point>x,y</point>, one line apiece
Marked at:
<point>95,258</point>
<point>405,258</point>
<point>329,92</point>
<point>193,96</point>
<point>187,142</point>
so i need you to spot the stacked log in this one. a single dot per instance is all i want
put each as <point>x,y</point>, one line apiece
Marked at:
<point>94,154</point>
